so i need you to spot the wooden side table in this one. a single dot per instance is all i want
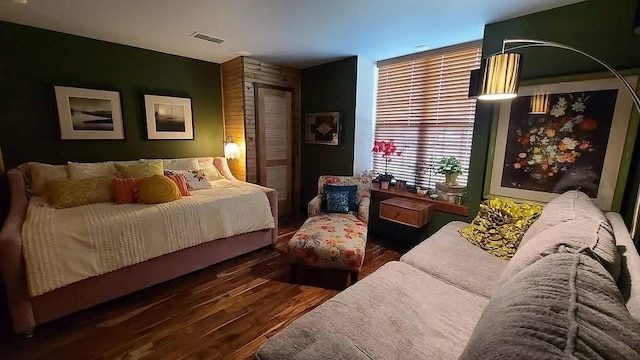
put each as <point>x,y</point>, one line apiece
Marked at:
<point>405,211</point>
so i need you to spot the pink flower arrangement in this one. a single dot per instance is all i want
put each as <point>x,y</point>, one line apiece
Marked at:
<point>386,149</point>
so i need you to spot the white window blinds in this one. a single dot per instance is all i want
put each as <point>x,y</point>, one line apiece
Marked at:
<point>423,106</point>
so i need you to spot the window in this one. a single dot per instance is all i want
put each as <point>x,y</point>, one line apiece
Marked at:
<point>423,106</point>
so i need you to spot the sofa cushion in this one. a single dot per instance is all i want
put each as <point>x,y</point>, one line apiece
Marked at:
<point>571,205</point>
<point>331,241</point>
<point>571,220</point>
<point>500,225</point>
<point>398,312</point>
<point>565,306</point>
<point>448,256</point>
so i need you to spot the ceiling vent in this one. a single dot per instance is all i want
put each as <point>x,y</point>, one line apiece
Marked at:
<point>205,37</point>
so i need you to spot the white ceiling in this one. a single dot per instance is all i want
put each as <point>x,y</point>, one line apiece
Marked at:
<point>298,33</point>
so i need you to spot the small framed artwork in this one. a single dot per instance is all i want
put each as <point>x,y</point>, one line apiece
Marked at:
<point>168,118</point>
<point>578,143</point>
<point>323,128</point>
<point>87,114</point>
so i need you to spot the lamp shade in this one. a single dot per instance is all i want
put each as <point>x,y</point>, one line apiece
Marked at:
<point>500,77</point>
<point>539,103</point>
<point>231,150</point>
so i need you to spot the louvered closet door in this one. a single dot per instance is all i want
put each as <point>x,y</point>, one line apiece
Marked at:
<point>274,142</point>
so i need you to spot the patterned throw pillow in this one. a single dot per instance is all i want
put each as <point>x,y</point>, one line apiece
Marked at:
<point>196,179</point>
<point>500,225</point>
<point>350,189</point>
<point>91,170</point>
<point>142,170</point>
<point>158,189</point>
<point>337,201</point>
<point>77,192</point>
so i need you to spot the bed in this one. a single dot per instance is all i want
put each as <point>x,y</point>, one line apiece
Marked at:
<point>43,284</point>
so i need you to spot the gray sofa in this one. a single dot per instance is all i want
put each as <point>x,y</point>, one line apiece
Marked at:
<point>571,291</point>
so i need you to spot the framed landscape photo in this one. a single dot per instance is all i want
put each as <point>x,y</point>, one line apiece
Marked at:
<point>168,118</point>
<point>87,114</point>
<point>323,128</point>
<point>577,144</point>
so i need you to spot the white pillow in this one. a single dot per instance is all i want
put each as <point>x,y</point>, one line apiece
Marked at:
<point>91,170</point>
<point>196,179</point>
<point>181,164</point>
<point>211,171</point>
<point>43,173</point>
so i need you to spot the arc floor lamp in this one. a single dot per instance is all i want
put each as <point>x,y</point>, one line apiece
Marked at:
<point>500,76</point>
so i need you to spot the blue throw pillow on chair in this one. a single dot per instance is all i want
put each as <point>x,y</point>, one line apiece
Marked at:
<point>351,191</point>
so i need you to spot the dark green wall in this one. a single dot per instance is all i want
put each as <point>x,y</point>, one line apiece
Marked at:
<point>326,88</point>
<point>601,28</point>
<point>33,60</point>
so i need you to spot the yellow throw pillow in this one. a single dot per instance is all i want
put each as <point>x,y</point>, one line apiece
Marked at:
<point>142,170</point>
<point>71,193</point>
<point>158,189</point>
<point>500,225</point>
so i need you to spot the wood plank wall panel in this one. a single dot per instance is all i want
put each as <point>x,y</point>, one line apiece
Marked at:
<point>233,112</point>
<point>260,72</point>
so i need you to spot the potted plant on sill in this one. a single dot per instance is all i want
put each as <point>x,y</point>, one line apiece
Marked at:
<point>451,168</point>
<point>385,149</point>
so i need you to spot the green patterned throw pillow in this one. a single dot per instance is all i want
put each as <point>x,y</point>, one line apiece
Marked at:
<point>500,225</point>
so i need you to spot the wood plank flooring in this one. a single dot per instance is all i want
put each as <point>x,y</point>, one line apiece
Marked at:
<point>225,311</point>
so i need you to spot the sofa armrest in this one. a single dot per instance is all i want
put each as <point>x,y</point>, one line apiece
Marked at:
<point>629,282</point>
<point>12,264</point>
<point>315,206</point>
<point>363,210</point>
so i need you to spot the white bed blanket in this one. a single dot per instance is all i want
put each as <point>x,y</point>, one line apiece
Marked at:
<point>62,246</point>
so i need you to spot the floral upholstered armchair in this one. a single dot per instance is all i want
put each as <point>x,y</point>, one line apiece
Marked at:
<point>363,194</point>
<point>333,240</point>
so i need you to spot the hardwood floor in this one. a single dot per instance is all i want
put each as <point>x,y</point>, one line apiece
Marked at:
<point>225,311</point>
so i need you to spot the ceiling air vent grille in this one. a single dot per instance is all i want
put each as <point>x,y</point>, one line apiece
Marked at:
<point>205,37</point>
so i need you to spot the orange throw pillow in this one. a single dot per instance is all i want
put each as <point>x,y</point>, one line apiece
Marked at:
<point>126,190</point>
<point>181,181</point>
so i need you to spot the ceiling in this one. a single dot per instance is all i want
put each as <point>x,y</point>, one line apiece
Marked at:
<point>297,33</point>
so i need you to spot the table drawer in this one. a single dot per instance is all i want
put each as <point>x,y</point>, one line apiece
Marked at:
<point>400,215</point>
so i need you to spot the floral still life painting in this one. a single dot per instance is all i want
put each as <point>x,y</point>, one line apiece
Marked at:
<point>576,141</point>
<point>564,147</point>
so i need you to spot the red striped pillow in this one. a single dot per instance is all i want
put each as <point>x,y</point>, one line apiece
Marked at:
<point>181,181</point>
